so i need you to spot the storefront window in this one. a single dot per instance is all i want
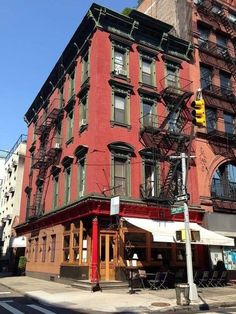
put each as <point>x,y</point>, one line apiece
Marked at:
<point>66,248</point>
<point>230,258</point>
<point>135,243</point>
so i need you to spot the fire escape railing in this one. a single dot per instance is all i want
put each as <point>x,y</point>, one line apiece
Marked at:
<point>225,93</point>
<point>46,155</point>
<point>169,134</point>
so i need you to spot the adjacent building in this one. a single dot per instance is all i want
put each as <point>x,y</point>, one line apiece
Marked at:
<point>104,125</point>
<point>10,198</point>
<point>211,26</point>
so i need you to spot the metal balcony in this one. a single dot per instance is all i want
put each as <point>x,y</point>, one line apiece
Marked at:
<point>227,94</point>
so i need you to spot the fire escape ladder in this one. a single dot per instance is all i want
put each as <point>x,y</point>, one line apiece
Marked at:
<point>225,21</point>
<point>168,188</point>
<point>174,103</point>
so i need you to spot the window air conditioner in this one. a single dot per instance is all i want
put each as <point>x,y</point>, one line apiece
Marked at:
<point>83,122</point>
<point>57,145</point>
<point>121,72</point>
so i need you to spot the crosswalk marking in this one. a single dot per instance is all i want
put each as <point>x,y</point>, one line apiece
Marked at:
<point>5,292</point>
<point>40,309</point>
<point>10,308</point>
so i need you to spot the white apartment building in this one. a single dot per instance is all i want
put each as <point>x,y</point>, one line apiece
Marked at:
<point>10,198</point>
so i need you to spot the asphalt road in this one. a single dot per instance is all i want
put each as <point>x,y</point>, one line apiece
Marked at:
<point>220,310</point>
<point>15,303</point>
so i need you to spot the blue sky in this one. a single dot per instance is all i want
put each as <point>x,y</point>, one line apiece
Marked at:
<point>33,34</point>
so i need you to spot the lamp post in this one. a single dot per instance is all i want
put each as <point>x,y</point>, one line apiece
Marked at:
<point>193,296</point>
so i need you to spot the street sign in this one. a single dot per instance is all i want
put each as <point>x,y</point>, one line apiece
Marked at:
<point>176,210</point>
<point>182,197</point>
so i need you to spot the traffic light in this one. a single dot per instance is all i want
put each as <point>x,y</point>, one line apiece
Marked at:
<point>198,113</point>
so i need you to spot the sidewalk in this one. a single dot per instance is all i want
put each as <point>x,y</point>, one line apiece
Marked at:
<point>115,301</point>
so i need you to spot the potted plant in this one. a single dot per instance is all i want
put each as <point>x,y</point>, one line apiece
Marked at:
<point>22,265</point>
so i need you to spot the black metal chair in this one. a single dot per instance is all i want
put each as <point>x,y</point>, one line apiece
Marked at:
<point>154,283</point>
<point>212,282</point>
<point>203,281</point>
<point>222,281</point>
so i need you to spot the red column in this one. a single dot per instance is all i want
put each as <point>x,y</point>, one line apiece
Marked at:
<point>95,254</point>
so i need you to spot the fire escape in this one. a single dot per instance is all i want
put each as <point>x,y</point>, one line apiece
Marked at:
<point>208,7</point>
<point>169,135</point>
<point>46,155</point>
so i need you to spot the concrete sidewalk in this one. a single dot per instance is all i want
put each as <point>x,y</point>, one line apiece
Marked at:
<point>115,301</point>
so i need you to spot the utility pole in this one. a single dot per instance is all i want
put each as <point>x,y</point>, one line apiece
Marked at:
<point>193,296</point>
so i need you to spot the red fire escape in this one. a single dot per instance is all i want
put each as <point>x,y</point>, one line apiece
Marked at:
<point>47,154</point>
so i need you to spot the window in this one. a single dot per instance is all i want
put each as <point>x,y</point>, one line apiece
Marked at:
<point>85,67</point>
<point>172,78</point>
<point>121,154</point>
<point>148,116</point>
<point>76,246</point>
<point>224,182</point>
<point>55,194</point>
<point>120,114</point>
<point>135,243</point>
<point>61,97</point>
<point>120,59</point>
<point>203,36</point>
<point>70,124</point>
<point>151,177</point>
<point>44,249</point>
<point>36,250</point>
<point>53,248</point>
<point>71,80</point>
<point>211,119</point>
<point>229,121</point>
<point>83,112</point>
<point>120,176</point>
<point>29,249</point>
<point>225,83</point>
<point>66,248</point>
<point>206,77</point>
<point>81,173</point>
<point>80,154</point>
<point>148,71</point>
<point>67,184</point>
<point>216,9</point>
<point>221,42</point>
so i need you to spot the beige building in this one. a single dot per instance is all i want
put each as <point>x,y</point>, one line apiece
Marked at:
<point>10,199</point>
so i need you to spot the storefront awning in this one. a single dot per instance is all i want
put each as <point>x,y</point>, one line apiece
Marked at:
<point>165,231</point>
<point>19,242</point>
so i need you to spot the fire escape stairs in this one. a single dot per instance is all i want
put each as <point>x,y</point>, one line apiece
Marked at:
<point>45,158</point>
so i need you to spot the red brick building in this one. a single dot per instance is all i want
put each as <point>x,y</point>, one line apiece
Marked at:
<point>210,25</point>
<point>112,111</point>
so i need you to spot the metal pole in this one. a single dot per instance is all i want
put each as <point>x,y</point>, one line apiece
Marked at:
<point>193,296</point>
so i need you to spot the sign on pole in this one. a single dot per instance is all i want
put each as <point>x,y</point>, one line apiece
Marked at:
<point>176,210</point>
<point>115,205</point>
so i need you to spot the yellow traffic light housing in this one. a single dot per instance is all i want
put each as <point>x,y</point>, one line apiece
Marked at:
<point>199,114</point>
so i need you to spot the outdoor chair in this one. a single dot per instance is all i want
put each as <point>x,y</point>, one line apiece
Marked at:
<point>197,276</point>
<point>203,281</point>
<point>160,281</point>
<point>212,282</point>
<point>222,281</point>
<point>154,283</point>
<point>142,277</point>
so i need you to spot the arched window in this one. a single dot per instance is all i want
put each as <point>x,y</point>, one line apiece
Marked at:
<point>121,154</point>
<point>224,182</point>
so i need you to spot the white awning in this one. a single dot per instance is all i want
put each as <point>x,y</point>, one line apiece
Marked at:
<point>19,242</point>
<point>165,231</point>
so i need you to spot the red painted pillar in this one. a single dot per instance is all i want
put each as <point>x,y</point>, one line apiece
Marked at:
<point>95,255</point>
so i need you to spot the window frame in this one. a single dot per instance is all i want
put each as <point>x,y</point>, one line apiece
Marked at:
<point>56,190</point>
<point>125,94</point>
<point>67,183</point>
<point>145,57</point>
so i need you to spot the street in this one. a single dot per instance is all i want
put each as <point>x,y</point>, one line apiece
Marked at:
<point>220,310</point>
<point>13,302</point>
